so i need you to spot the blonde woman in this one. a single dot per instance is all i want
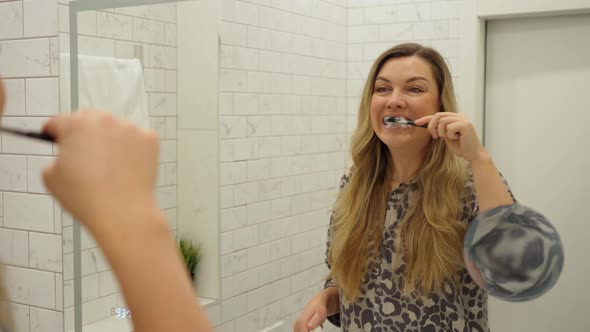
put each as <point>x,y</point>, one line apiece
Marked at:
<point>396,233</point>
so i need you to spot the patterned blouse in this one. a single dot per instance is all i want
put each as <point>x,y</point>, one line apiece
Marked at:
<point>381,305</point>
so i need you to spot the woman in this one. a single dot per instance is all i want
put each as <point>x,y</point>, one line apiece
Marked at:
<point>396,233</point>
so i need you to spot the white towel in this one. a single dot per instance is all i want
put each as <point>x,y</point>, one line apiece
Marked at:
<point>109,84</point>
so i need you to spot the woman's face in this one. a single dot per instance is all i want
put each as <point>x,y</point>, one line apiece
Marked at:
<point>404,87</point>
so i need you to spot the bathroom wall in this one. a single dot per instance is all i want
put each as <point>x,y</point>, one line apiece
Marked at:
<point>282,137</point>
<point>149,34</point>
<point>30,226</point>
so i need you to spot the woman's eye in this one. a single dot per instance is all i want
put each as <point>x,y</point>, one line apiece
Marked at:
<point>381,89</point>
<point>416,89</point>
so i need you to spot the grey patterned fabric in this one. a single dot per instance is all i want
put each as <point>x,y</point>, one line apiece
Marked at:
<point>518,251</point>
<point>382,306</point>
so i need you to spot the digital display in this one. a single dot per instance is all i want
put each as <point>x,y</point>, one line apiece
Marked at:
<point>121,313</point>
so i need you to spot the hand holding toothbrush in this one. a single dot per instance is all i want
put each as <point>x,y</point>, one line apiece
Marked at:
<point>457,131</point>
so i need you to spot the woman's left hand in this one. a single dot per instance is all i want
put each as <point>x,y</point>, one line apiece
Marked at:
<point>457,131</point>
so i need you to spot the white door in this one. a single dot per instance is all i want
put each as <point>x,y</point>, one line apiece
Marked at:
<point>537,127</point>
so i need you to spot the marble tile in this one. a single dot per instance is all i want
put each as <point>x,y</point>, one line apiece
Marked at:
<point>93,261</point>
<point>68,290</point>
<point>98,309</point>
<point>149,31</point>
<point>43,320</point>
<point>54,56</point>
<point>87,23</point>
<point>45,251</point>
<point>15,97</point>
<point>96,46</point>
<point>171,35</point>
<point>11,20</point>
<point>108,283</point>
<point>162,12</point>
<point>168,152</point>
<point>13,172</point>
<point>171,173</point>
<point>90,287</point>
<point>40,18</point>
<point>21,315</point>
<point>59,296</point>
<point>163,57</point>
<point>28,212</point>
<point>14,247</point>
<point>32,287</point>
<point>114,26</point>
<point>42,96</point>
<point>162,104</point>
<point>26,58</point>
<point>68,268</point>
<point>171,127</point>
<point>167,197</point>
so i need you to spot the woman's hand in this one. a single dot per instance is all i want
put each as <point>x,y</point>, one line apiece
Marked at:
<point>457,131</point>
<point>105,167</point>
<point>313,315</point>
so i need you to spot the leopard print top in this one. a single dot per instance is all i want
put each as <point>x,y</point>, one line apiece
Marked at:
<point>382,306</point>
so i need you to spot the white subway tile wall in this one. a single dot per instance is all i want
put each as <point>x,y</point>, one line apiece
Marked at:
<point>282,148</point>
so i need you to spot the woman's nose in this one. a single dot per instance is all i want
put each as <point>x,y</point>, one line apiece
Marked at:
<point>396,101</point>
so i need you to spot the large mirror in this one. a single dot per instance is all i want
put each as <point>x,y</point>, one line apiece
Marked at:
<point>255,102</point>
<point>150,62</point>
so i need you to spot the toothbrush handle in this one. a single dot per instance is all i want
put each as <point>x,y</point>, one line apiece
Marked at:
<point>31,134</point>
<point>41,136</point>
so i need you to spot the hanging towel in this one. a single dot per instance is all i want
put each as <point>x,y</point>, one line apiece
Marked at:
<point>109,84</point>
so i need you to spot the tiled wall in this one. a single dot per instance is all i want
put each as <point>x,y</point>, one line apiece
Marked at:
<point>282,132</point>
<point>116,33</point>
<point>30,226</point>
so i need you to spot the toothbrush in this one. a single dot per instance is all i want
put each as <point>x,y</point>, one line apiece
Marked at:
<point>40,136</point>
<point>402,121</point>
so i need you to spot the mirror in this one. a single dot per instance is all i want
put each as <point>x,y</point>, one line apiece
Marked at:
<point>151,63</point>
<point>254,101</point>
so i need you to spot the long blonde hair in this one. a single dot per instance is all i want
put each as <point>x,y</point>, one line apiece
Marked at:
<point>430,233</point>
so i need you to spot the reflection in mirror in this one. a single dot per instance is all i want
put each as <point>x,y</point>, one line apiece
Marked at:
<point>254,102</point>
<point>138,61</point>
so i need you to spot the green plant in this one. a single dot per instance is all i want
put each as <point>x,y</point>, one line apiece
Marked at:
<point>191,254</point>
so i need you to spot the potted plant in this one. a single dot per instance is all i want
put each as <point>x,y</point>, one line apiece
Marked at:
<point>191,254</point>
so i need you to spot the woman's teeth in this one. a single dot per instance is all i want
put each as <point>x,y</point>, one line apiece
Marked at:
<point>396,122</point>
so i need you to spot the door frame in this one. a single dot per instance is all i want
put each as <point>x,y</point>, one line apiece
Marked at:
<point>474,17</point>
